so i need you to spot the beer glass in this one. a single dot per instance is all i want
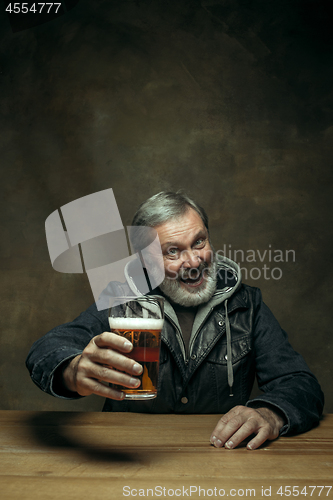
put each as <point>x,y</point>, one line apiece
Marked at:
<point>140,320</point>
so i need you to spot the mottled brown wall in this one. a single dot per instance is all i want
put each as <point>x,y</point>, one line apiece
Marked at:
<point>228,99</point>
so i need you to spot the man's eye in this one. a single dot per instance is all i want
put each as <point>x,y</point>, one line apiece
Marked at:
<point>172,251</point>
<point>199,242</point>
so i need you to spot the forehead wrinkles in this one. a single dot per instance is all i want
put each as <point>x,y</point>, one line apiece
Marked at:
<point>181,230</point>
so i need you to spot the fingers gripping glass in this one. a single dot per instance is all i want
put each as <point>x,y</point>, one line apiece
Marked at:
<point>140,320</point>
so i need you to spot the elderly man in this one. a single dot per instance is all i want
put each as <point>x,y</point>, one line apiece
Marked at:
<point>217,335</point>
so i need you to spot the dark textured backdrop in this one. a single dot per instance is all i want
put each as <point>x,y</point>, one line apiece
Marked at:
<point>230,99</point>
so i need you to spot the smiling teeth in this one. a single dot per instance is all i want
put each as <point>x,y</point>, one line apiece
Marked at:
<point>192,280</point>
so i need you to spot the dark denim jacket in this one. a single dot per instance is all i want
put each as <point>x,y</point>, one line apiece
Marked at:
<point>198,384</point>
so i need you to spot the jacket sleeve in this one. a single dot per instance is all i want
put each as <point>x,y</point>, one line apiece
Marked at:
<point>285,379</point>
<point>61,344</point>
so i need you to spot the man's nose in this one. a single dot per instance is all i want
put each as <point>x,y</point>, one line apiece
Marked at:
<point>191,260</point>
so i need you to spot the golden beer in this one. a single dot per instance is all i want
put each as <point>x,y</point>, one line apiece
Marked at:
<point>145,335</point>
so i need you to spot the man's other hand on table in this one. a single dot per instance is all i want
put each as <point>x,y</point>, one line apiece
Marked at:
<point>241,422</point>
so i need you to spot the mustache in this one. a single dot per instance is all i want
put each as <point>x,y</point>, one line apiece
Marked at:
<point>193,272</point>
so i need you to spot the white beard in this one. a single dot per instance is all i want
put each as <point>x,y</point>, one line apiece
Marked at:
<point>173,289</point>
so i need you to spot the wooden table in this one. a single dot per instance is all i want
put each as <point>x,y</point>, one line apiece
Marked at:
<point>104,456</point>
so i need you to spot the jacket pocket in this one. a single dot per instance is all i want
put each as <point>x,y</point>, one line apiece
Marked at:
<point>239,349</point>
<point>243,371</point>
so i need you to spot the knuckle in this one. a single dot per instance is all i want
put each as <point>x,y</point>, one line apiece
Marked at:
<point>89,349</point>
<point>81,366</point>
<point>108,357</point>
<point>250,413</point>
<point>235,421</point>
<point>103,336</point>
<point>118,361</point>
<point>256,411</point>
<point>95,387</point>
<point>250,425</point>
<point>126,364</point>
<point>114,339</point>
<point>104,373</point>
<point>239,407</point>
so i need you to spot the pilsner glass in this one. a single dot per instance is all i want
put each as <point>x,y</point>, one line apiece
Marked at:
<point>140,320</point>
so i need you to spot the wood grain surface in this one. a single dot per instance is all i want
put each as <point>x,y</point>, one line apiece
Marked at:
<point>72,455</point>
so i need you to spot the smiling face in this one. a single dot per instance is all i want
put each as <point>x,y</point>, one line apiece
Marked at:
<point>188,260</point>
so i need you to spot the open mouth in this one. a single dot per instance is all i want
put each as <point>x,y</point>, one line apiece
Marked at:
<point>193,282</point>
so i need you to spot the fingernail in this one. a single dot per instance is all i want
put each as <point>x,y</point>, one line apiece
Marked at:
<point>249,446</point>
<point>128,345</point>
<point>218,443</point>
<point>229,445</point>
<point>213,439</point>
<point>134,382</point>
<point>137,368</point>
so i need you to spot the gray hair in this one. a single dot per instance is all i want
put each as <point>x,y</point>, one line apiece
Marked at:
<point>165,206</point>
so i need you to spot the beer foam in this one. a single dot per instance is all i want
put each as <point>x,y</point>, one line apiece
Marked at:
<point>135,324</point>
